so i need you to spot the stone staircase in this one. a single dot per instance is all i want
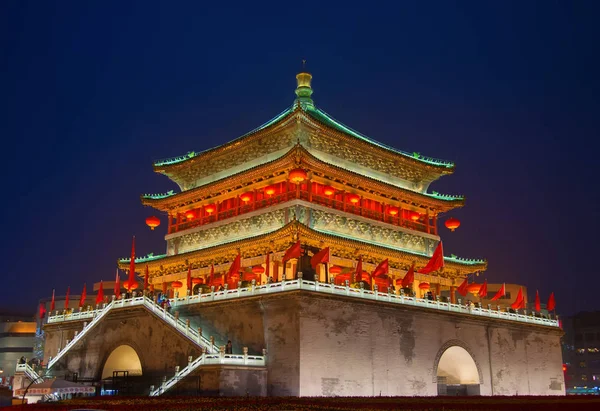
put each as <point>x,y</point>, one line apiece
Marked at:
<point>208,359</point>
<point>180,325</point>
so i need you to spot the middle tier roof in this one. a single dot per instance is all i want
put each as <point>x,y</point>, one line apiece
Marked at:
<point>298,156</point>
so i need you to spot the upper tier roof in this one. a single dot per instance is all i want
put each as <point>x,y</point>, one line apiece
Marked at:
<point>321,134</point>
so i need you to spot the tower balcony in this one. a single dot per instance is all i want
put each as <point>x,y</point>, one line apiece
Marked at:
<point>312,192</point>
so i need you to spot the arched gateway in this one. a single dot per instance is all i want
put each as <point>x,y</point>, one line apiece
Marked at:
<point>457,373</point>
<point>122,358</point>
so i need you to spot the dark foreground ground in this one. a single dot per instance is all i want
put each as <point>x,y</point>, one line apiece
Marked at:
<point>582,403</point>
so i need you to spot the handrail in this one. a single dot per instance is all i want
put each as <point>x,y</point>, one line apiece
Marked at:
<point>301,284</point>
<point>206,359</point>
<point>29,372</point>
<point>179,325</point>
<point>80,335</point>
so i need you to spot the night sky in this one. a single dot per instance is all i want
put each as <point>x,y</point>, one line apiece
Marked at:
<point>94,92</point>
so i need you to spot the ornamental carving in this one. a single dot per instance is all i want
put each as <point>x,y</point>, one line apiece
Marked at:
<point>344,150</point>
<point>240,229</point>
<point>357,229</point>
<point>189,175</point>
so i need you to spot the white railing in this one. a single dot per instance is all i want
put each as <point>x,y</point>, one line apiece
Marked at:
<point>28,371</point>
<point>181,326</point>
<point>81,334</point>
<point>326,288</point>
<point>209,359</point>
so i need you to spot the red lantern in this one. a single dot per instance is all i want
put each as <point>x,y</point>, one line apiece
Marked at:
<point>176,284</point>
<point>329,191</point>
<point>130,286</point>
<point>353,198</point>
<point>452,223</point>
<point>298,175</point>
<point>336,269</point>
<point>270,190</point>
<point>366,277</point>
<point>246,196</point>
<point>414,215</point>
<point>393,210</point>
<point>209,208</point>
<point>473,288</point>
<point>197,280</point>
<point>424,286</point>
<point>190,215</point>
<point>152,222</point>
<point>258,269</point>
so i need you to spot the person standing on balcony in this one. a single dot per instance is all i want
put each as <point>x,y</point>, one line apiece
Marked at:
<point>228,348</point>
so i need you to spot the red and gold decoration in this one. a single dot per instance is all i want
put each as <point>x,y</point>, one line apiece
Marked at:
<point>452,223</point>
<point>258,269</point>
<point>298,175</point>
<point>247,197</point>
<point>152,222</point>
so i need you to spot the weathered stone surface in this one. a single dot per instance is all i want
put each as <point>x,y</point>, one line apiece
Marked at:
<point>319,345</point>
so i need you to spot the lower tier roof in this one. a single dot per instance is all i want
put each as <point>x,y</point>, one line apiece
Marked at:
<point>281,239</point>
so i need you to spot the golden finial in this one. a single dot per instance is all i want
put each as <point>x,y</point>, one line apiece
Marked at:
<point>303,90</point>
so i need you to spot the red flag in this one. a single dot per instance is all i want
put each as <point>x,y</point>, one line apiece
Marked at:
<point>409,278</point>
<point>52,302</point>
<point>358,273</point>
<point>293,252</point>
<point>67,298</point>
<point>235,268</point>
<point>321,257</point>
<point>382,269</point>
<point>131,280</point>
<point>435,262</point>
<point>189,279</point>
<point>501,293</point>
<point>42,311</point>
<point>146,278</point>
<point>483,290</point>
<point>100,296</point>
<point>551,302</point>
<point>463,288</point>
<point>519,302</point>
<point>164,289</point>
<point>268,268</point>
<point>117,290</point>
<point>538,306</point>
<point>82,299</point>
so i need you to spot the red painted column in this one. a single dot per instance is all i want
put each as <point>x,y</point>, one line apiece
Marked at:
<point>452,294</point>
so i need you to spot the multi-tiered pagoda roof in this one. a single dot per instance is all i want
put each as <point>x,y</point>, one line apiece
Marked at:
<point>360,197</point>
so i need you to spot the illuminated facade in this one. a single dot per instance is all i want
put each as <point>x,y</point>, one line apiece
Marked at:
<point>350,193</point>
<point>303,181</point>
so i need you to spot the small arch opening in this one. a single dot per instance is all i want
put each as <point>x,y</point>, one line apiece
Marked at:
<point>457,373</point>
<point>122,358</point>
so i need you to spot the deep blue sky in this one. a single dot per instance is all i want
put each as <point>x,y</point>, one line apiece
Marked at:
<point>93,92</point>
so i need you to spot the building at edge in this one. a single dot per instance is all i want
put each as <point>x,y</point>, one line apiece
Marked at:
<point>249,218</point>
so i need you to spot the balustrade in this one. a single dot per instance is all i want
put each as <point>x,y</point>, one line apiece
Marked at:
<point>308,192</point>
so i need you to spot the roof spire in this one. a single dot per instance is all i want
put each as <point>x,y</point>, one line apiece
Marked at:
<point>303,90</point>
